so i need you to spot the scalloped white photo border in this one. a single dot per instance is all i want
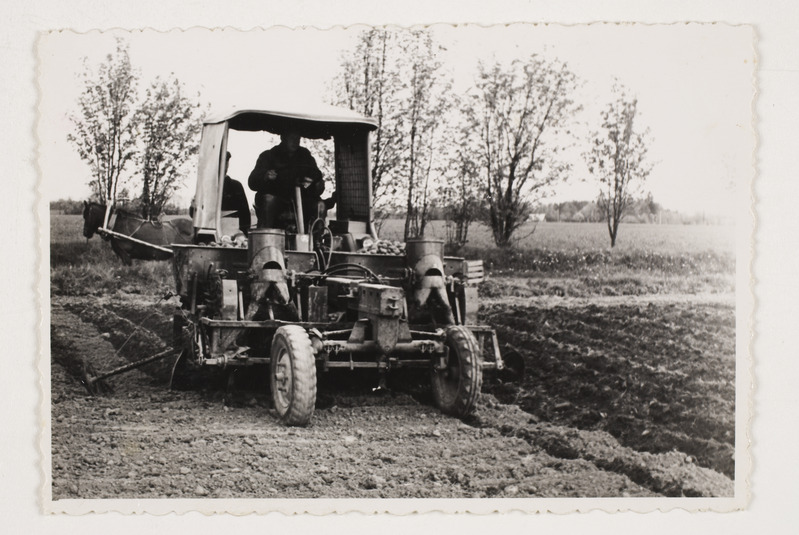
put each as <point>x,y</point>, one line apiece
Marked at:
<point>744,384</point>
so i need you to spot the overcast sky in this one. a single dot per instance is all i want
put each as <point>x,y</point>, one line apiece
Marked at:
<point>694,84</point>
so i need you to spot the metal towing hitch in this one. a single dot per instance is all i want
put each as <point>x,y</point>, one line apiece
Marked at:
<point>96,384</point>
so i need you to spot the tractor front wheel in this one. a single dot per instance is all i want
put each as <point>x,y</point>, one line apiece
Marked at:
<point>456,387</point>
<point>293,375</point>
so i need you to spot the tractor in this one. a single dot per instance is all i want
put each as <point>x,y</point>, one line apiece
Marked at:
<point>300,302</point>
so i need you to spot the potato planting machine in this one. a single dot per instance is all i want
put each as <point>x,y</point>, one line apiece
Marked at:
<point>300,303</point>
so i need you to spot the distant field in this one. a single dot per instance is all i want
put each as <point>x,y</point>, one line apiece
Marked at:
<point>667,239</point>
<point>551,236</point>
<point>65,228</point>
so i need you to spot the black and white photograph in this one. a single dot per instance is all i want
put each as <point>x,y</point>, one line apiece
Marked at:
<point>450,267</point>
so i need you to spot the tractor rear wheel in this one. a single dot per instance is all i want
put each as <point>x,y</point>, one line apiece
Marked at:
<point>293,375</point>
<point>456,387</point>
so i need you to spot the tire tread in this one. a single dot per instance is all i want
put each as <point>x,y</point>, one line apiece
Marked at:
<point>470,368</point>
<point>303,400</point>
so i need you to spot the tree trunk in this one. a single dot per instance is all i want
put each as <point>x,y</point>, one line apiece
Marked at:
<point>614,231</point>
<point>462,230</point>
<point>410,214</point>
<point>503,233</point>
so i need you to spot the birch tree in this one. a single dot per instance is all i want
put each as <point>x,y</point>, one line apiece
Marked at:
<point>368,83</point>
<point>618,159</point>
<point>395,77</point>
<point>105,129</point>
<point>170,127</point>
<point>424,104</point>
<point>462,193</point>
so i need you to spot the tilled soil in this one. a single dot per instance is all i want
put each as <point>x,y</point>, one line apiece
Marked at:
<point>144,441</point>
<point>657,376</point>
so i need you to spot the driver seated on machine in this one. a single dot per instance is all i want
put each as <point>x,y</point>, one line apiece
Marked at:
<point>275,177</point>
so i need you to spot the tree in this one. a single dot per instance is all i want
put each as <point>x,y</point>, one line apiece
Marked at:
<point>463,203</point>
<point>104,124</point>
<point>393,76</point>
<point>424,103</point>
<point>368,83</point>
<point>516,113</point>
<point>170,128</point>
<point>618,159</point>
<point>462,192</point>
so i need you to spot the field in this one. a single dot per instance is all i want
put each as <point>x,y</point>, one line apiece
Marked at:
<point>629,389</point>
<point>664,239</point>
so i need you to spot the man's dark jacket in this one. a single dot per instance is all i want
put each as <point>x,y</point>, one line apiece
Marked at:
<point>233,198</point>
<point>291,169</point>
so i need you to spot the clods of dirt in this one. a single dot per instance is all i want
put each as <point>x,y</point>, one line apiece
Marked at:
<point>671,473</point>
<point>144,441</point>
<point>658,377</point>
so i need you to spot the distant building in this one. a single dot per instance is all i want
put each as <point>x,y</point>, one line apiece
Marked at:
<point>537,218</point>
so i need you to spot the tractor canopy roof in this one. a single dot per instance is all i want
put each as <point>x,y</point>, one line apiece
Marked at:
<point>314,121</point>
<point>348,129</point>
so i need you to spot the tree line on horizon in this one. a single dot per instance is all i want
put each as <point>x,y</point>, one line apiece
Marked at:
<point>491,154</point>
<point>642,211</point>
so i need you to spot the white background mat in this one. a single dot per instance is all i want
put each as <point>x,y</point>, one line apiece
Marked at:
<point>773,483</point>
